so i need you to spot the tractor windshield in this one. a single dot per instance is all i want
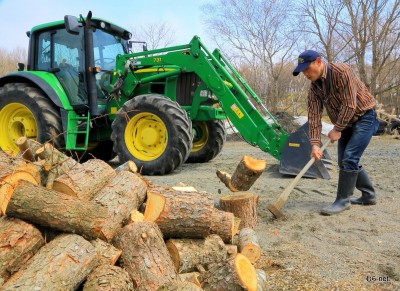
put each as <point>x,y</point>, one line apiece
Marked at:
<point>106,47</point>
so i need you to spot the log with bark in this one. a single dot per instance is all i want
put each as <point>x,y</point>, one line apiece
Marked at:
<point>56,163</point>
<point>231,250</point>
<point>60,211</point>
<point>223,224</point>
<point>121,196</point>
<point>19,241</point>
<point>188,254</point>
<point>247,172</point>
<point>108,278</point>
<point>261,280</point>
<point>85,181</point>
<point>25,150</point>
<point>248,244</point>
<point>237,273</point>
<point>177,285</point>
<point>180,214</point>
<point>107,254</point>
<point>144,255</point>
<point>62,264</point>
<point>192,277</point>
<point>243,206</point>
<point>12,171</point>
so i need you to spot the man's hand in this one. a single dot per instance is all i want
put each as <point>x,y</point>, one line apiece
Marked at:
<point>316,152</point>
<point>334,135</point>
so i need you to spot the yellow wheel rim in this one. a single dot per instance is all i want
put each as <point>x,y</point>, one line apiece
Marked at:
<point>200,135</point>
<point>16,120</point>
<point>146,136</point>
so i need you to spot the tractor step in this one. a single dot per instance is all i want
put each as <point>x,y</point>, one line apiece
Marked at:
<point>77,125</point>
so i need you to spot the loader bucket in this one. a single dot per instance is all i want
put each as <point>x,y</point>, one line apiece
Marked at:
<point>296,155</point>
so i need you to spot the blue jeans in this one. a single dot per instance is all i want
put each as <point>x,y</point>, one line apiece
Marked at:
<point>355,139</point>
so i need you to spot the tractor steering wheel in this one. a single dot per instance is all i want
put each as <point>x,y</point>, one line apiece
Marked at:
<point>108,63</point>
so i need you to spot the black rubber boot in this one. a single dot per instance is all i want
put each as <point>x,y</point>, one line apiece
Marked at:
<point>364,184</point>
<point>346,185</point>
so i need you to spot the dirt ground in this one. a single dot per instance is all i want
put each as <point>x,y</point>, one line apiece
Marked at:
<point>358,249</point>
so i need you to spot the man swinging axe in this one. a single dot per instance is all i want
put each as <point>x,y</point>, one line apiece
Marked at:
<point>351,109</point>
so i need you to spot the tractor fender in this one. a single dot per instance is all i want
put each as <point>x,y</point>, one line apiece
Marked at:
<point>46,81</point>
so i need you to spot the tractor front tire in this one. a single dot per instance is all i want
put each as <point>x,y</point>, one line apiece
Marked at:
<point>208,141</point>
<point>154,132</point>
<point>27,111</point>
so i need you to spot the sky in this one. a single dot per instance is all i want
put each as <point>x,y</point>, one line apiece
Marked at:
<point>183,16</point>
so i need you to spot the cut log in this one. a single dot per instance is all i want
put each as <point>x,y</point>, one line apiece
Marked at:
<point>261,280</point>
<point>108,278</point>
<point>33,145</point>
<point>234,274</point>
<point>246,173</point>
<point>180,214</point>
<point>243,206</point>
<point>231,250</point>
<point>25,150</point>
<point>127,166</point>
<point>177,285</point>
<point>192,277</point>
<point>236,225</point>
<point>19,241</point>
<point>59,211</point>
<point>248,244</point>
<point>187,254</point>
<point>85,181</point>
<point>107,254</point>
<point>223,224</point>
<point>56,163</point>
<point>144,255</point>
<point>62,264</point>
<point>11,171</point>
<point>136,215</point>
<point>120,196</point>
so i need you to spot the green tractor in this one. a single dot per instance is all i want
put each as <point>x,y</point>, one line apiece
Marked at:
<point>84,90</point>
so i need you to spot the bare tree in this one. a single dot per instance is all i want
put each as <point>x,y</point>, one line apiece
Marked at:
<point>259,34</point>
<point>10,58</point>
<point>156,35</point>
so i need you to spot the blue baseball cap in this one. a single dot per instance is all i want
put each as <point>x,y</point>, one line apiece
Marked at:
<point>304,60</point>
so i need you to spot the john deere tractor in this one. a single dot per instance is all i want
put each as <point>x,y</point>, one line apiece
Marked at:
<point>84,90</point>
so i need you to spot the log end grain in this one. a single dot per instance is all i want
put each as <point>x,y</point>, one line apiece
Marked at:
<point>246,272</point>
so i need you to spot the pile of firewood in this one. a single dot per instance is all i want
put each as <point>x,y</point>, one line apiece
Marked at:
<point>67,225</point>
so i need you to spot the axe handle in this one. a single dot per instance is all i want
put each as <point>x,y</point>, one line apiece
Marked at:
<point>285,194</point>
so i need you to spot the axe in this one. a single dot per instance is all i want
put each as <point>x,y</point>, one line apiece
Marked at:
<point>275,207</point>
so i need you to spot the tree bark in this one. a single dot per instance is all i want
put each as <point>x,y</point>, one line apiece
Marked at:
<point>144,255</point>
<point>180,214</point>
<point>107,254</point>
<point>61,264</point>
<point>248,244</point>
<point>223,224</point>
<point>190,277</point>
<point>19,241</point>
<point>246,173</point>
<point>85,181</point>
<point>108,278</point>
<point>243,206</point>
<point>120,196</point>
<point>180,286</point>
<point>60,211</point>
<point>187,254</point>
<point>235,274</point>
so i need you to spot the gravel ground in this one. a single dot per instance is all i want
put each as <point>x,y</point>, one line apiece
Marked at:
<point>355,250</point>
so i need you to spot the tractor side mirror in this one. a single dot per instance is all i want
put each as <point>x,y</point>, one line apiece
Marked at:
<point>21,66</point>
<point>72,24</point>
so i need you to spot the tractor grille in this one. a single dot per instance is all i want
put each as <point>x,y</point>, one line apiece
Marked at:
<point>186,85</point>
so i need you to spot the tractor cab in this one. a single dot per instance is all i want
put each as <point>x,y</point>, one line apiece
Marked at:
<point>81,54</point>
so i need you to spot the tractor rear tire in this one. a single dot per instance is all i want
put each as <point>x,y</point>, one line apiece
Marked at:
<point>27,111</point>
<point>154,132</point>
<point>208,141</point>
